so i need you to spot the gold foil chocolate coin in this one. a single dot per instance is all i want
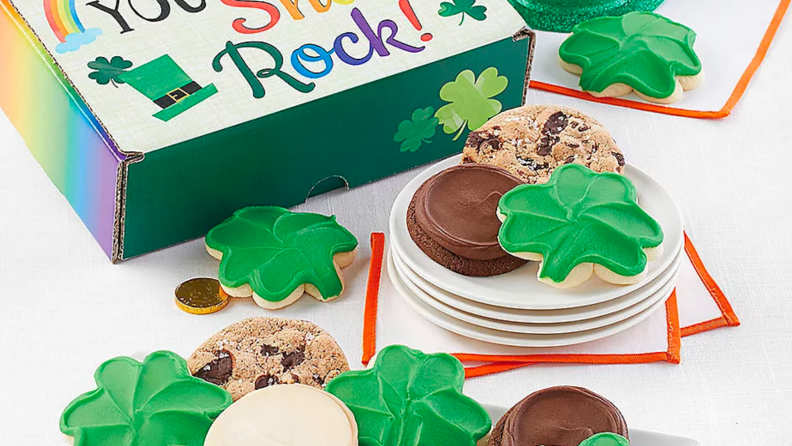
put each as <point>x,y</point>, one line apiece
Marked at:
<point>201,296</point>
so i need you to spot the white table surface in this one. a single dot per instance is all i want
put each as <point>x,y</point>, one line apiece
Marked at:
<point>64,308</point>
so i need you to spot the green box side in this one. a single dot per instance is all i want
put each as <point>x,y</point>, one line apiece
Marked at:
<point>178,193</point>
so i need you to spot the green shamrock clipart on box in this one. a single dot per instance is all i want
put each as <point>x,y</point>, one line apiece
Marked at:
<point>161,80</point>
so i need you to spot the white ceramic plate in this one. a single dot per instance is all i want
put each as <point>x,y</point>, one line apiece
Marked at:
<point>520,289</point>
<point>514,327</point>
<point>628,301</point>
<point>513,339</point>
<point>638,437</point>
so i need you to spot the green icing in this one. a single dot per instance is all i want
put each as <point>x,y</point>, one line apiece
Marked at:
<point>643,50</point>
<point>563,15</point>
<point>409,398</point>
<point>606,439</point>
<point>154,403</point>
<point>275,251</point>
<point>579,216</point>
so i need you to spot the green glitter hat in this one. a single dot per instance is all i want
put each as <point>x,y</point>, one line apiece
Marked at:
<point>563,15</point>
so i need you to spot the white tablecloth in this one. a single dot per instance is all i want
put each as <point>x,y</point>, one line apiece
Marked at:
<point>64,308</point>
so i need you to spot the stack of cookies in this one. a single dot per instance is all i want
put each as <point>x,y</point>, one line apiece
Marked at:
<point>504,246</point>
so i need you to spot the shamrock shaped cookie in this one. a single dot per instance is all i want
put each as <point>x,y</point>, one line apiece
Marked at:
<point>640,51</point>
<point>276,255</point>
<point>578,224</point>
<point>154,403</point>
<point>409,398</point>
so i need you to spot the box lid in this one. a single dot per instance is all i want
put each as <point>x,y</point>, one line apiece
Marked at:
<point>160,72</point>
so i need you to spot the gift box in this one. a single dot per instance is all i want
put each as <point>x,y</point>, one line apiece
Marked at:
<point>158,118</point>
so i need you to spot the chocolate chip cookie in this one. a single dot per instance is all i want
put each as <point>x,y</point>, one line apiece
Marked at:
<point>261,352</point>
<point>531,141</point>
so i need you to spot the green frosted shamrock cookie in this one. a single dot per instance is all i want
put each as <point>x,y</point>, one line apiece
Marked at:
<point>641,51</point>
<point>154,403</point>
<point>578,224</point>
<point>276,255</point>
<point>409,398</point>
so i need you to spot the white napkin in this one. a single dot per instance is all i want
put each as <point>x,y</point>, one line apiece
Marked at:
<point>655,339</point>
<point>729,34</point>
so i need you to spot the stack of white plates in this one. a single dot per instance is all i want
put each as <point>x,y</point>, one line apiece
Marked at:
<point>515,308</point>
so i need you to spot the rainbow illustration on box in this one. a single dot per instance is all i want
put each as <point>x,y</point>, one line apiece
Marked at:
<point>67,26</point>
<point>163,117</point>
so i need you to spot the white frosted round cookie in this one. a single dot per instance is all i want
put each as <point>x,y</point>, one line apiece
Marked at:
<point>285,415</point>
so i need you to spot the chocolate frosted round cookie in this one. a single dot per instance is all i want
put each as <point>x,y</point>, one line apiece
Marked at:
<point>531,141</point>
<point>558,416</point>
<point>261,352</point>
<point>453,219</point>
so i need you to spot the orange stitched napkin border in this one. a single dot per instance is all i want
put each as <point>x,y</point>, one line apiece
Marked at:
<point>501,363</point>
<point>735,97</point>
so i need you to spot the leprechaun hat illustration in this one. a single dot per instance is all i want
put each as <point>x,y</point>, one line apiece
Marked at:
<point>161,80</point>
<point>165,83</point>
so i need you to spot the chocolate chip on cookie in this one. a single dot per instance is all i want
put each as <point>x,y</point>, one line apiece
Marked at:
<point>262,352</point>
<point>268,350</point>
<point>219,370</point>
<point>266,381</point>
<point>531,141</point>
<point>292,360</point>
